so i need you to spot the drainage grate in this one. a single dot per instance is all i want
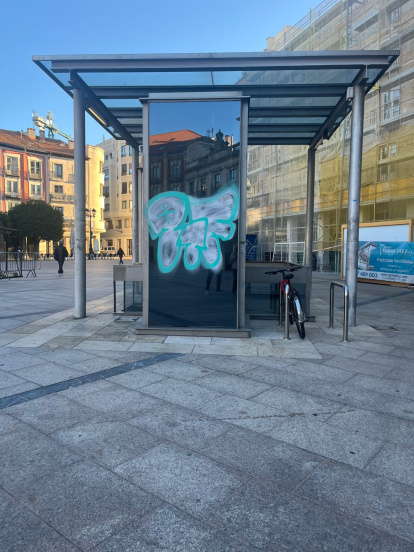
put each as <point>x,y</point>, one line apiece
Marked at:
<point>379,328</point>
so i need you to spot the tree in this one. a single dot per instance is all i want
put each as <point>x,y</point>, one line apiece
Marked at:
<point>38,221</point>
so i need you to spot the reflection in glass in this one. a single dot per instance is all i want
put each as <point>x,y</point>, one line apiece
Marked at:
<point>193,213</point>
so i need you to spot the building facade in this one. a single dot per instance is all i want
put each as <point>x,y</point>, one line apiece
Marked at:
<point>277,174</point>
<point>35,167</point>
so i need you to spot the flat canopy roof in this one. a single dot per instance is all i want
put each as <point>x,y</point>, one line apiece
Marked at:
<point>295,97</point>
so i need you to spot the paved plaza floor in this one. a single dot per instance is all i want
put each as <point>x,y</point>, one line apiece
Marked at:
<point>111,441</point>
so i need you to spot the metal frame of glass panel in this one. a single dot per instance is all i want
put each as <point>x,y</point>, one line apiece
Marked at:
<point>115,84</point>
<point>295,98</point>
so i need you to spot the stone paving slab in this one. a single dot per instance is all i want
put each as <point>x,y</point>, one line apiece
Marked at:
<point>204,469</point>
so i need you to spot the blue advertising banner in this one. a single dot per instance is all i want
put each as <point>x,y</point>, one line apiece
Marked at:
<point>386,261</point>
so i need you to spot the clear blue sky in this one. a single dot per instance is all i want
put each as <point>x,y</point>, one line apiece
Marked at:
<point>119,27</point>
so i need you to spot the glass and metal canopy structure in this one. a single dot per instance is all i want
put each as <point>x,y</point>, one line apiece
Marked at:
<point>286,98</point>
<point>295,97</point>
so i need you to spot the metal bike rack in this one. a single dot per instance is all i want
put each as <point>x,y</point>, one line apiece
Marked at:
<point>346,308</point>
<point>284,292</point>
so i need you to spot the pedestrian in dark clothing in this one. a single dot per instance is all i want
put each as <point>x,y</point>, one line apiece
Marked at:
<point>60,253</point>
<point>120,254</point>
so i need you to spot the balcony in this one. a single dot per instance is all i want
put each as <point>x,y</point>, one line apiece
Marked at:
<point>55,176</point>
<point>61,198</point>
<point>35,175</point>
<point>12,171</point>
<point>12,194</point>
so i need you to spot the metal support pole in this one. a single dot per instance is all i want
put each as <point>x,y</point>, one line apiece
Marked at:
<point>310,200</point>
<point>354,194</point>
<point>145,199</point>
<point>135,164</point>
<point>286,292</point>
<point>80,226</point>
<point>241,272</point>
<point>280,305</point>
<point>346,308</point>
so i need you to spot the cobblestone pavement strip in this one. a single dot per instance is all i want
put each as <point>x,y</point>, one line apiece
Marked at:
<point>111,441</point>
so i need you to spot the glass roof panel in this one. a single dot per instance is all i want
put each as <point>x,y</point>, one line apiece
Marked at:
<point>187,78</point>
<point>124,102</point>
<point>287,120</point>
<point>294,101</point>
<point>281,135</point>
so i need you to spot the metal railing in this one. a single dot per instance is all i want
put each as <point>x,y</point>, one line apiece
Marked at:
<point>346,308</point>
<point>284,290</point>
<point>14,264</point>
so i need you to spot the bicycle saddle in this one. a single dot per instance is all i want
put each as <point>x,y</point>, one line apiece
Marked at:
<point>289,276</point>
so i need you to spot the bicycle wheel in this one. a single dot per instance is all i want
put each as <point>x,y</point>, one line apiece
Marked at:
<point>298,314</point>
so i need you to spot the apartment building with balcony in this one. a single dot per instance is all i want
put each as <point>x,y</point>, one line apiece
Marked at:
<point>277,174</point>
<point>35,167</point>
<point>117,194</point>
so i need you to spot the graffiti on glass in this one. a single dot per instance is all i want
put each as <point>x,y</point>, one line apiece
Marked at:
<point>192,228</point>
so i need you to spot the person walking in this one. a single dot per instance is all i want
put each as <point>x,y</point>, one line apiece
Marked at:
<point>60,253</point>
<point>120,254</point>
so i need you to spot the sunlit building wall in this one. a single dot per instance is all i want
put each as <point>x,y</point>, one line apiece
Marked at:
<point>277,174</point>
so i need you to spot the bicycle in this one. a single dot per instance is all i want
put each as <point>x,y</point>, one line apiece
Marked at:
<point>296,312</point>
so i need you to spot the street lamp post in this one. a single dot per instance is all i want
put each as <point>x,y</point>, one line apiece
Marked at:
<point>91,214</point>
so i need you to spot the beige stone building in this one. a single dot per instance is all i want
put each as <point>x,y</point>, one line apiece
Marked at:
<point>35,167</point>
<point>277,174</point>
<point>117,192</point>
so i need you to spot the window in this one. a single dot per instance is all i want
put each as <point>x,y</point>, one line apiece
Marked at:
<point>12,166</point>
<point>176,188</point>
<point>124,169</point>
<point>60,209</point>
<point>123,151</point>
<point>233,175</point>
<point>130,204</point>
<point>390,104</point>
<point>110,226</point>
<point>58,189</point>
<point>35,169</point>
<point>35,189</point>
<point>203,185</point>
<point>12,186</point>
<point>130,169</point>
<point>57,170</point>
<point>119,224</point>
<point>106,157</point>
<point>395,15</point>
<point>191,187</point>
<point>217,181</point>
<point>106,173</point>
<point>383,152</point>
<point>11,204</point>
<point>175,172</point>
<point>125,204</point>
<point>106,207</point>
<point>106,191</point>
<point>124,187</point>
<point>393,150</point>
<point>110,243</point>
<point>155,173</point>
<point>130,150</point>
<point>127,223</point>
<point>130,188</point>
<point>155,191</point>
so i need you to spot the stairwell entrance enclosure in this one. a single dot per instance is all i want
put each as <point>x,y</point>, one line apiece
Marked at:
<point>189,230</point>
